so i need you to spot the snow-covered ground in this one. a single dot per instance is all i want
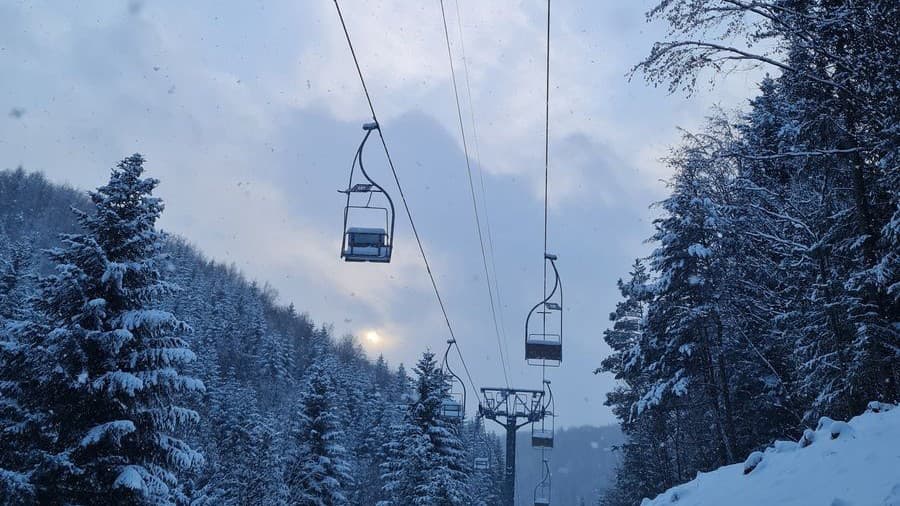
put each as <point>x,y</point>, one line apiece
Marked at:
<point>838,464</point>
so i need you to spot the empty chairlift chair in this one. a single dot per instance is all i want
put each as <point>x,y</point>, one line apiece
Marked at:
<point>453,407</point>
<point>541,437</point>
<point>482,447</point>
<point>542,431</point>
<point>542,490</point>
<point>368,214</point>
<point>367,245</point>
<point>544,325</point>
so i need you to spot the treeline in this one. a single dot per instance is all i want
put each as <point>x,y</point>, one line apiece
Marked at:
<point>134,371</point>
<point>772,297</point>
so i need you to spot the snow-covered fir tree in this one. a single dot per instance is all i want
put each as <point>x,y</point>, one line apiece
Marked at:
<point>426,459</point>
<point>19,424</point>
<point>774,281</point>
<point>253,355</point>
<point>317,471</point>
<point>111,394</point>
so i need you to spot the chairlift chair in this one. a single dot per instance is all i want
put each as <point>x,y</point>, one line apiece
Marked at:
<point>542,435</point>
<point>368,214</point>
<point>542,438</point>
<point>483,450</point>
<point>453,407</point>
<point>543,325</point>
<point>543,489</point>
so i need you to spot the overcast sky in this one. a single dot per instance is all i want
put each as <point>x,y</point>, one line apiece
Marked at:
<point>249,113</point>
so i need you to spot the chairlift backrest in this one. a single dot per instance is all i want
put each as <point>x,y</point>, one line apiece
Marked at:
<point>542,438</point>
<point>450,408</point>
<point>366,237</point>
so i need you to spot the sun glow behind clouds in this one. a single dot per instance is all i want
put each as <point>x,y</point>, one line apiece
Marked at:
<point>373,338</point>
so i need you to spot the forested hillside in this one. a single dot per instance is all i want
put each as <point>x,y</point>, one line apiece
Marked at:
<point>134,370</point>
<point>772,297</point>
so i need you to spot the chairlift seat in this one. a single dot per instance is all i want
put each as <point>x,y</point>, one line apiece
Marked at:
<point>367,245</point>
<point>541,501</point>
<point>553,306</point>
<point>542,438</point>
<point>482,464</point>
<point>543,347</point>
<point>452,409</point>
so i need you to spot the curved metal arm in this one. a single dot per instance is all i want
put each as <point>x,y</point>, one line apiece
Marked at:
<point>369,127</point>
<point>549,404</point>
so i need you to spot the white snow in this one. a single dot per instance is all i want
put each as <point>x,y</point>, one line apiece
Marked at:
<point>130,478</point>
<point>118,381</point>
<point>699,251</point>
<point>111,430</point>
<point>855,463</point>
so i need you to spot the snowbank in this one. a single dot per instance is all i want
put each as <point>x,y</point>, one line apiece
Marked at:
<point>838,464</point>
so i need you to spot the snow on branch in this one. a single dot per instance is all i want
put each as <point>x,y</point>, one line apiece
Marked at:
<point>118,381</point>
<point>114,431</point>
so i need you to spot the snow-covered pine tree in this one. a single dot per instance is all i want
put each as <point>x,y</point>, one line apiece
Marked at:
<point>624,338</point>
<point>687,349</point>
<point>16,275</point>
<point>646,462</point>
<point>427,460</point>
<point>838,150</point>
<point>317,472</point>
<point>244,439</point>
<point>19,426</point>
<point>112,393</point>
<point>485,485</point>
<point>275,363</point>
<point>800,287</point>
<point>378,419</point>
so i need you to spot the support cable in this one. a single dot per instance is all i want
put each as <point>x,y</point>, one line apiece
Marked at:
<point>412,223</point>
<point>462,132</point>
<point>544,457</point>
<point>484,202</point>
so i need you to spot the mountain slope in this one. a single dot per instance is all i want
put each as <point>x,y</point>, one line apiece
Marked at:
<point>839,464</point>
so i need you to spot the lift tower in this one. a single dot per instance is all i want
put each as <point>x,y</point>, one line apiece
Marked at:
<point>512,408</point>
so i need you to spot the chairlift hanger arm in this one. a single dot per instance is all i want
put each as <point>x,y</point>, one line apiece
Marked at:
<point>557,285</point>
<point>549,397</point>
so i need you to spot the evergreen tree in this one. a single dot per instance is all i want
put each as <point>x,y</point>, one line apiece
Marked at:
<point>110,391</point>
<point>426,460</point>
<point>252,355</point>
<point>19,426</point>
<point>317,471</point>
<point>774,281</point>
